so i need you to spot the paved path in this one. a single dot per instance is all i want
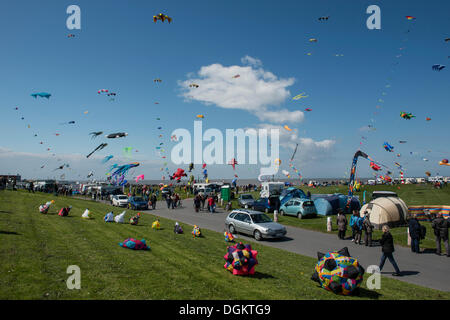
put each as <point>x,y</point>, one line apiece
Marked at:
<point>427,269</point>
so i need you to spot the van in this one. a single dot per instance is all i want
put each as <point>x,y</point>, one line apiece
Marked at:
<point>271,188</point>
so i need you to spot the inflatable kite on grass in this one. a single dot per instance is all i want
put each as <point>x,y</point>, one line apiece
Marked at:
<point>109,217</point>
<point>444,162</point>
<point>156,224</point>
<point>228,236</point>
<point>135,219</point>
<point>388,147</point>
<point>162,17</point>
<point>241,259</point>
<point>64,212</point>
<point>196,232</point>
<point>338,272</point>
<point>41,94</point>
<point>406,115</point>
<point>43,208</point>
<point>134,244</point>
<point>120,218</point>
<point>177,229</point>
<point>86,214</point>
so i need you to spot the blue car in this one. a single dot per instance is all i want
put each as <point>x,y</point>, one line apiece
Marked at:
<point>137,203</point>
<point>298,207</point>
<point>263,205</point>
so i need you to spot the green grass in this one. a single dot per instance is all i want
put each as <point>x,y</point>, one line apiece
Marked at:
<point>412,194</point>
<point>36,250</point>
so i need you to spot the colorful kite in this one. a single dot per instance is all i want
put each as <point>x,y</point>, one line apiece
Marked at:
<point>444,162</point>
<point>406,115</point>
<point>162,17</point>
<point>299,96</point>
<point>107,158</point>
<point>388,147</point>
<point>41,94</point>
<point>100,147</point>
<point>233,163</point>
<point>287,128</point>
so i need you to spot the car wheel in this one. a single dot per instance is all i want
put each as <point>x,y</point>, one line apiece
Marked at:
<point>299,215</point>
<point>231,229</point>
<point>257,235</point>
<point>281,212</point>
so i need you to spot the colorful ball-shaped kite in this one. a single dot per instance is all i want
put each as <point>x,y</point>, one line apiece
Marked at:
<point>338,272</point>
<point>134,244</point>
<point>444,162</point>
<point>196,231</point>
<point>156,225</point>
<point>228,236</point>
<point>241,259</point>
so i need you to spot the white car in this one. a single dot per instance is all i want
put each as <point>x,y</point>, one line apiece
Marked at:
<point>120,200</point>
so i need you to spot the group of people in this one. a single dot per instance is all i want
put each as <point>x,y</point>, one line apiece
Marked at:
<point>173,200</point>
<point>200,199</point>
<point>357,224</point>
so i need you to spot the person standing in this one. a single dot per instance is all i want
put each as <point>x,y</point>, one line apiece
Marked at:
<point>153,199</point>
<point>211,204</point>
<point>203,199</point>
<point>353,220</point>
<point>440,226</point>
<point>387,248</point>
<point>414,233</point>
<point>368,230</point>
<point>359,226</point>
<point>197,203</point>
<point>168,201</point>
<point>341,222</point>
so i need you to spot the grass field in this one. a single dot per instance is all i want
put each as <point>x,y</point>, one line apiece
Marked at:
<point>412,194</point>
<point>36,250</point>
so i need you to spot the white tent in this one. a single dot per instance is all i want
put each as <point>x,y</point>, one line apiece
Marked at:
<point>386,210</point>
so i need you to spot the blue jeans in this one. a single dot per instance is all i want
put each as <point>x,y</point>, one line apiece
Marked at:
<point>415,245</point>
<point>391,260</point>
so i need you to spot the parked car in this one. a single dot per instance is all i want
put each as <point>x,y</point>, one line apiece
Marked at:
<point>298,207</point>
<point>245,199</point>
<point>264,204</point>
<point>137,203</point>
<point>255,224</point>
<point>120,200</point>
<point>205,191</point>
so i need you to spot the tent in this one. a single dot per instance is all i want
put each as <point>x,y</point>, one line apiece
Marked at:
<point>386,210</point>
<point>328,204</point>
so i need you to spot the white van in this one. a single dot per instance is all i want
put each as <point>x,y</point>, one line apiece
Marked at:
<point>270,188</point>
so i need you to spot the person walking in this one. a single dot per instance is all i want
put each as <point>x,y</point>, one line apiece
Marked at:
<point>368,229</point>
<point>168,201</point>
<point>414,233</point>
<point>341,222</point>
<point>211,204</point>
<point>387,248</point>
<point>440,227</point>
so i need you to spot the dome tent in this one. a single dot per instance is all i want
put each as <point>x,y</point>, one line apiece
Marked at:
<point>328,204</point>
<point>386,210</point>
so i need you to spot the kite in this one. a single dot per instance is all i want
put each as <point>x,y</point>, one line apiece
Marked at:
<point>191,166</point>
<point>41,94</point>
<point>388,147</point>
<point>162,17</point>
<point>116,135</point>
<point>178,174</point>
<point>100,147</point>
<point>444,162</point>
<point>233,163</point>
<point>60,167</point>
<point>90,174</point>
<point>70,122</point>
<point>107,158</point>
<point>102,91</point>
<point>287,128</point>
<point>96,134</point>
<point>173,138</point>
<point>240,259</point>
<point>157,80</point>
<point>427,119</point>
<point>410,18</point>
<point>374,166</point>
<point>402,141</point>
<point>127,151</point>
<point>111,94</point>
<point>200,116</point>
<point>428,173</point>
<point>140,177</point>
<point>308,109</point>
<point>447,39</point>
<point>118,176</point>
<point>313,40</point>
<point>438,67</point>
<point>425,159</point>
<point>71,35</point>
<point>323,18</point>
<point>134,244</point>
<point>338,272</point>
<point>299,96</point>
<point>236,76</point>
<point>406,115</point>
<point>193,85</point>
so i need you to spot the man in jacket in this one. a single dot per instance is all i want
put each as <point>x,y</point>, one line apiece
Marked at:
<point>368,229</point>
<point>440,226</point>
<point>387,247</point>
<point>358,226</point>
<point>153,199</point>
<point>341,222</point>
<point>414,233</point>
<point>353,220</point>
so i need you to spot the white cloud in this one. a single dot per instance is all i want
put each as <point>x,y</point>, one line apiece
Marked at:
<point>255,90</point>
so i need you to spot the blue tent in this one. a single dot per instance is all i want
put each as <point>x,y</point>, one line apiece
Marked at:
<point>327,204</point>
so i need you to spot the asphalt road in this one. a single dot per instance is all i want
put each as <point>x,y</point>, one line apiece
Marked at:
<point>426,269</point>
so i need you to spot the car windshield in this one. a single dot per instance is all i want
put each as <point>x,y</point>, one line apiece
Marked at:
<point>260,218</point>
<point>247,196</point>
<point>138,199</point>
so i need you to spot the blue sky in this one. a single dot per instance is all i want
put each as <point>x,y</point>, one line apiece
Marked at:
<point>120,48</point>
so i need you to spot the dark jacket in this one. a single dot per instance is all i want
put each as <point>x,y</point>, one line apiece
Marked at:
<point>341,222</point>
<point>440,226</point>
<point>414,228</point>
<point>387,243</point>
<point>367,225</point>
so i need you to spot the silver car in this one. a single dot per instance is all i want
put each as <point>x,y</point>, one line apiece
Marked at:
<point>253,223</point>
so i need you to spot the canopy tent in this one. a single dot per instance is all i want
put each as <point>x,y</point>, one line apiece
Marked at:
<point>386,210</point>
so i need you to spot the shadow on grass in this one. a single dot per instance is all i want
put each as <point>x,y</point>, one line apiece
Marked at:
<point>366,293</point>
<point>262,275</point>
<point>9,232</point>
<point>1,211</point>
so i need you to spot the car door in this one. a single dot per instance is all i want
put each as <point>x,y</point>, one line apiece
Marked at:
<point>257,204</point>
<point>237,222</point>
<point>247,224</point>
<point>289,207</point>
<point>296,208</point>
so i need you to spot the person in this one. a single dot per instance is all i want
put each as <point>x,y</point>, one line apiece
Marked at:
<point>309,197</point>
<point>368,229</point>
<point>387,248</point>
<point>203,199</point>
<point>353,220</point>
<point>173,199</point>
<point>440,227</point>
<point>414,233</point>
<point>341,222</point>
<point>168,201</point>
<point>211,204</point>
<point>153,199</point>
<point>359,226</point>
<point>197,203</point>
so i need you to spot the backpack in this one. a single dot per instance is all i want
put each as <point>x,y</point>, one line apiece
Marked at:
<point>423,232</point>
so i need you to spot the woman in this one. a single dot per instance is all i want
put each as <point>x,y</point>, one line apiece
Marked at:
<point>387,243</point>
<point>342,224</point>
